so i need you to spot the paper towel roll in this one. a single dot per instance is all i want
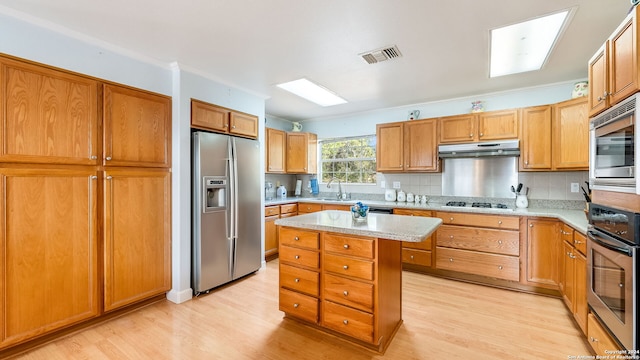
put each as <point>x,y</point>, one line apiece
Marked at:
<point>298,188</point>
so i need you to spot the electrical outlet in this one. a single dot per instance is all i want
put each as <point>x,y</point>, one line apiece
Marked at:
<point>383,184</point>
<point>396,184</point>
<point>575,187</point>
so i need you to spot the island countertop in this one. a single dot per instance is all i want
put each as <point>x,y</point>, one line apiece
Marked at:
<point>384,226</point>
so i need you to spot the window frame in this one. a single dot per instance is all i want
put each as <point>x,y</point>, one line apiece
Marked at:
<point>371,139</point>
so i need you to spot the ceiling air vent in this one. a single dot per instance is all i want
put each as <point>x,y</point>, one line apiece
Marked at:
<point>383,54</point>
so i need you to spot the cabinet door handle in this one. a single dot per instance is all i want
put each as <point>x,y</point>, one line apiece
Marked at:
<point>296,280</point>
<point>345,321</point>
<point>93,157</point>
<point>451,237</point>
<point>345,293</point>
<point>345,267</point>
<point>296,238</point>
<point>450,259</point>
<point>481,134</point>
<point>108,158</point>
<point>411,257</point>
<point>233,127</point>
<point>530,225</point>
<point>450,219</point>
<point>499,267</point>
<point>499,242</point>
<point>295,306</point>
<point>109,177</point>
<point>470,135</point>
<point>297,257</point>
<point>499,222</point>
<point>346,246</point>
<point>93,177</point>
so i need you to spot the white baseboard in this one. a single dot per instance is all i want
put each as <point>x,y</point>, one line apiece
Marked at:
<point>179,297</point>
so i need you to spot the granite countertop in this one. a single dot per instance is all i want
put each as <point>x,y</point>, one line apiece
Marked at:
<point>385,226</point>
<point>575,218</point>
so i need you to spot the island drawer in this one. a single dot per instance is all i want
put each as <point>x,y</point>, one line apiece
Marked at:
<point>491,265</point>
<point>423,245</point>
<point>299,238</point>
<point>416,257</point>
<point>298,256</point>
<point>480,220</point>
<point>348,245</point>
<point>356,294</point>
<point>298,279</point>
<point>352,322</point>
<point>505,242</point>
<point>348,266</point>
<point>299,305</point>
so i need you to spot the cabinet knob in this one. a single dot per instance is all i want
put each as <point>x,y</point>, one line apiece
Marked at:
<point>451,237</point>
<point>296,280</point>
<point>345,321</point>
<point>526,162</point>
<point>109,177</point>
<point>233,127</point>
<point>93,177</point>
<point>470,135</point>
<point>224,125</point>
<point>450,219</point>
<point>577,242</point>
<point>296,238</point>
<point>592,339</point>
<point>481,134</point>
<point>93,157</point>
<point>530,225</point>
<point>346,246</point>
<point>411,257</point>
<point>450,259</point>
<point>297,257</point>
<point>108,158</point>
<point>499,267</point>
<point>345,267</point>
<point>295,306</point>
<point>499,222</point>
<point>345,293</point>
<point>499,242</point>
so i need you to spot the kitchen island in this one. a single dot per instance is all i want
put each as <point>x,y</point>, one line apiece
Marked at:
<point>345,276</point>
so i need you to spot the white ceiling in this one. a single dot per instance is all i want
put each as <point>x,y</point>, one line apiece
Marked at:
<point>254,44</point>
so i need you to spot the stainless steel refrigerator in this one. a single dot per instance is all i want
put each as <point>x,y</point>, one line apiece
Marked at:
<point>226,217</point>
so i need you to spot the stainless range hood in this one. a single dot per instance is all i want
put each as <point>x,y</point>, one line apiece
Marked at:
<point>480,149</point>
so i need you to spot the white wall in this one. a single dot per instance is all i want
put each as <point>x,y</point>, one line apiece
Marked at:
<point>51,45</point>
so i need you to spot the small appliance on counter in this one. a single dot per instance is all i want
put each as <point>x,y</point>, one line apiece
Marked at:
<point>390,195</point>
<point>281,192</point>
<point>269,191</point>
<point>298,190</point>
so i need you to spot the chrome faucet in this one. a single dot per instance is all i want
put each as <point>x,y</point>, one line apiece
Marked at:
<point>340,194</point>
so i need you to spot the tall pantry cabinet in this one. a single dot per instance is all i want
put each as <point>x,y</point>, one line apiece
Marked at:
<point>84,185</point>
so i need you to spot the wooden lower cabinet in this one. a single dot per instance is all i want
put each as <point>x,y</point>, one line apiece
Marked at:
<point>598,338</point>
<point>573,275</point>
<point>359,288</point>
<point>48,251</point>
<point>137,236</point>
<point>543,253</point>
<point>271,214</point>
<point>479,244</point>
<point>416,255</point>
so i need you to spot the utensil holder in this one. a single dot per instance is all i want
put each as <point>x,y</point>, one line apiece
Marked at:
<point>522,201</point>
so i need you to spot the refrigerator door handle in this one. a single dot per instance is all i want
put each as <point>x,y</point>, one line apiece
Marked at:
<point>231,210</point>
<point>234,191</point>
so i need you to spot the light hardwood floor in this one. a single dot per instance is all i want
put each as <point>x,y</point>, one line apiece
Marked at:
<point>443,319</point>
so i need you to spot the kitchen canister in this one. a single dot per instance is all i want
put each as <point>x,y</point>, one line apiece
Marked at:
<point>390,195</point>
<point>410,197</point>
<point>401,197</point>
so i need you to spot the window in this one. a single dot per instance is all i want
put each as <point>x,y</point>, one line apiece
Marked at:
<point>351,160</point>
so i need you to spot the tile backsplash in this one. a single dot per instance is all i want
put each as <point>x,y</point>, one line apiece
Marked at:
<point>542,185</point>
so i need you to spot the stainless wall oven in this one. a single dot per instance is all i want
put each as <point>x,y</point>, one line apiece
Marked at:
<point>612,258</point>
<point>613,146</point>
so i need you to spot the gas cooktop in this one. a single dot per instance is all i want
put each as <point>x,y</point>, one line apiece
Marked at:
<point>483,205</point>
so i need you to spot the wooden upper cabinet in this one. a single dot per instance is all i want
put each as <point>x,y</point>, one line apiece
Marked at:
<point>137,128</point>
<point>458,128</point>
<point>623,60</point>
<point>49,258</point>
<point>47,116</point>
<point>613,69</point>
<point>493,125</point>
<point>390,147</point>
<point>599,81</point>
<point>421,145</point>
<point>137,235</point>
<point>302,152</point>
<point>219,119</point>
<point>571,135</point>
<point>497,125</point>
<point>275,150</point>
<point>535,138</point>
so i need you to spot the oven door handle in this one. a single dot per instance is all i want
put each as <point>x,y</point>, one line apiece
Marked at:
<point>601,239</point>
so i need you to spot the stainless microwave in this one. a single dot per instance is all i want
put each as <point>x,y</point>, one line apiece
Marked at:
<point>614,148</point>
